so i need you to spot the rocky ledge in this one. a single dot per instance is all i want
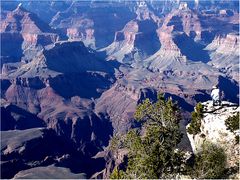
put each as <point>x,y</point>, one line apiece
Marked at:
<point>213,129</point>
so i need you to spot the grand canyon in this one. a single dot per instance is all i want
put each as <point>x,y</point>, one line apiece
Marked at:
<point>73,73</point>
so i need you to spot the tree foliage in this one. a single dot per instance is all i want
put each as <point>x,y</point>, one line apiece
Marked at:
<point>210,162</point>
<point>232,124</point>
<point>197,115</point>
<point>116,142</point>
<point>152,150</point>
<point>117,174</point>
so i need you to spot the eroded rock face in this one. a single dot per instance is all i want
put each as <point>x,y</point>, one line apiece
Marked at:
<point>41,94</point>
<point>224,54</point>
<point>29,34</point>
<point>48,172</point>
<point>225,44</point>
<point>41,87</point>
<point>213,129</point>
<point>137,40</point>
<point>14,117</point>
<point>123,42</point>
<point>119,104</point>
<point>21,148</point>
<point>93,23</point>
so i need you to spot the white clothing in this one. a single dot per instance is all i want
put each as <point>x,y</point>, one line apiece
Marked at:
<point>215,94</point>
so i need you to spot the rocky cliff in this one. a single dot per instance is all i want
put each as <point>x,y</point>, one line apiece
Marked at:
<point>91,22</point>
<point>213,129</point>
<point>23,35</point>
<point>224,54</point>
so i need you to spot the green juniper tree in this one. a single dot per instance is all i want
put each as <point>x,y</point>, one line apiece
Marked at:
<point>153,150</point>
<point>197,115</point>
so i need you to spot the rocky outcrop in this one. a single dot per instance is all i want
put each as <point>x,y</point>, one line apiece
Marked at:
<point>184,20</point>
<point>123,42</point>
<point>22,20</point>
<point>227,44</point>
<point>113,159</point>
<point>64,143</point>
<point>87,36</point>
<point>13,117</point>
<point>119,104</point>
<point>78,28</point>
<point>23,149</point>
<point>224,54</point>
<point>26,33</point>
<point>48,172</point>
<point>135,42</point>
<point>93,23</point>
<point>64,57</point>
<point>38,92</point>
<point>53,91</point>
<point>48,109</point>
<point>51,74</point>
<point>143,12</point>
<point>60,58</point>
<point>138,39</point>
<point>213,129</point>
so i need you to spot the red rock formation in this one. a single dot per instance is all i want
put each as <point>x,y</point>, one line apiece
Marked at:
<point>82,30</point>
<point>225,44</point>
<point>28,31</point>
<point>187,19</point>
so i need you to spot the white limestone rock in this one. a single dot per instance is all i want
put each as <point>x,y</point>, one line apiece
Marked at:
<point>213,129</point>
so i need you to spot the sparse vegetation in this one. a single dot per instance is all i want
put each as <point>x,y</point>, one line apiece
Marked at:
<point>116,143</point>
<point>117,174</point>
<point>197,115</point>
<point>210,162</point>
<point>232,124</point>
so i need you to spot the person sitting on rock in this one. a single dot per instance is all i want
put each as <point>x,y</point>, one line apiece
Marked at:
<point>215,94</point>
